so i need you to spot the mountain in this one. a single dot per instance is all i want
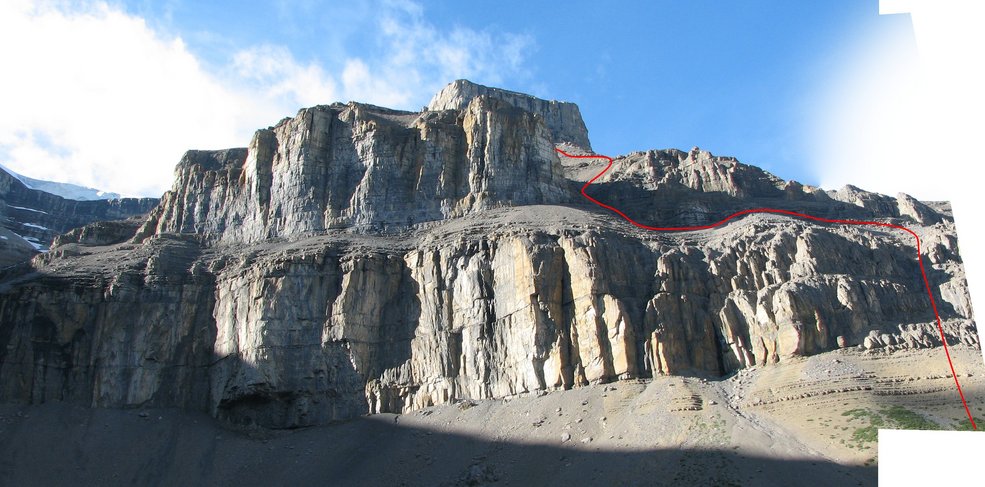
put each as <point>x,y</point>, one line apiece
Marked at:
<point>355,259</point>
<point>33,213</point>
<point>65,190</point>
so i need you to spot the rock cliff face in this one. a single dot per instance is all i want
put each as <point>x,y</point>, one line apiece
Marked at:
<point>357,165</point>
<point>356,259</point>
<point>563,119</point>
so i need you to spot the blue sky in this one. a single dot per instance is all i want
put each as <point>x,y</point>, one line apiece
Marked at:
<point>736,78</point>
<point>745,79</point>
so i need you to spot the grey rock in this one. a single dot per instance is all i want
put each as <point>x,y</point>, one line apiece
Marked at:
<point>389,170</point>
<point>355,259</point>
<point>563,119</point>
<point>100,233</point>
<point>917,211</point>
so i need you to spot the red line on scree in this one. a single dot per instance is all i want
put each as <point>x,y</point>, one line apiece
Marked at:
<point>926,282</point>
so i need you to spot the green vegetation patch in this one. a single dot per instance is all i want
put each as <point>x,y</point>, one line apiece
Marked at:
<point>895,417</point>
<point>965,425</point>
<point>909,420</point>
<point>867,434</point>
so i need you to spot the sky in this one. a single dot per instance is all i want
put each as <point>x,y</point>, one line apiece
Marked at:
<point>109,94</point>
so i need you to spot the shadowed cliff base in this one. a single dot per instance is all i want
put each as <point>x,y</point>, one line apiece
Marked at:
<point>59,444</point>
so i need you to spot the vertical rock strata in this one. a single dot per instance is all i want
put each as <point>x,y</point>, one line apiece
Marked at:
<point>357,165</point>
<point>563,119</point>
<point>356,259</point>
<point>141,336</point>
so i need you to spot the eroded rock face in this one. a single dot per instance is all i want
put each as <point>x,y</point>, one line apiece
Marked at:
<point>141,334</point>
<point>326,330</point>
<point>358,165</point>
<point>563,119</point>
<point>356,259</point>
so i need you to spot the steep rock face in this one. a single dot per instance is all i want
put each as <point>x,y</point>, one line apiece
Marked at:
<point>533,311</point>
<point>326,329</point>
<point>277,361</point>
<point>562,118</point>
<point>358,165</point>
<point>356,259</point>
<point>140,334</point>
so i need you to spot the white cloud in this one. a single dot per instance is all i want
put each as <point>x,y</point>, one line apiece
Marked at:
<point>272,72</point>
<point>432,57</point>
<point>360,84</point>
<point>94,96</point>
<point>417,58</point>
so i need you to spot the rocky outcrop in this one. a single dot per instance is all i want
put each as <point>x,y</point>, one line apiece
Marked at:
<point>697,170</point>
<point>917,211</point>
<point>100,233</point>
<point>563,119</point>
<point>362,166</point>
<point>356,259</point>
<point>903,205</point>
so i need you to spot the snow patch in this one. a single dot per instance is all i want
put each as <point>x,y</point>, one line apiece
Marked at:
<point>65,190</point>
<point>15,176</point>
<point>33,241</point>
<point>26,209</point>
<point>35,225</point>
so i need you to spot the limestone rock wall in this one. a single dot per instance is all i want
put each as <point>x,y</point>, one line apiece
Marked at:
<point>355,259</point>
<point>358,165</point>
<point>692,188</point>
<point>562,118</point>
<point>286,338</point>
<point>142,336</point>
<point>536,311</point>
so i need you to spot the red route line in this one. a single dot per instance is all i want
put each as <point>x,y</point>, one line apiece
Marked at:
<point>926,282</point>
